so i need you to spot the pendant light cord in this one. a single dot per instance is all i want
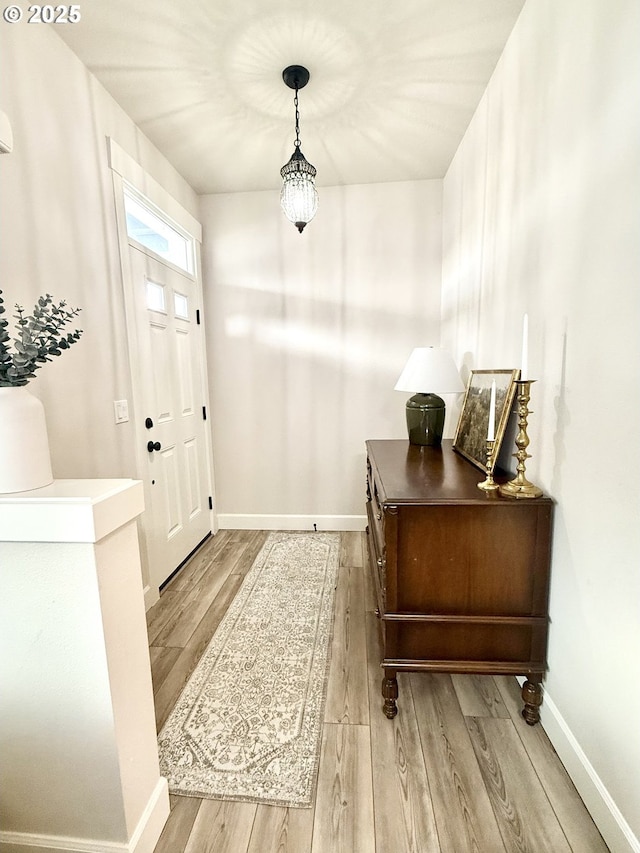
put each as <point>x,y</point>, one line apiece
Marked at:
<point>295,102</point>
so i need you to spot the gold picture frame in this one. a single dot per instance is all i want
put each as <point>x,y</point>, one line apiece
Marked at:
<point>470,439</point>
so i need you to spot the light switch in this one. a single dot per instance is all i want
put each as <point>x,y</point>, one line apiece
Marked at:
<point>121,408</point>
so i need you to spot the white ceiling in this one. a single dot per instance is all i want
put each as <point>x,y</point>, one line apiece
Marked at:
<point>393,83</point>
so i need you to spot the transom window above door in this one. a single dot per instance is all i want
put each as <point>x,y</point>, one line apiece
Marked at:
<point>147,226</point>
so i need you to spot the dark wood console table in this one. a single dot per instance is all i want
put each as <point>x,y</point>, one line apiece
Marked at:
<point>461,576</point>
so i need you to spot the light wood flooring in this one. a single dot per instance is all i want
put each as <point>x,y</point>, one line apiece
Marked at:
<point>457,771</point>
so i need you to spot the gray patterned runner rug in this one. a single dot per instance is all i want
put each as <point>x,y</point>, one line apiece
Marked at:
<point>248,723</point>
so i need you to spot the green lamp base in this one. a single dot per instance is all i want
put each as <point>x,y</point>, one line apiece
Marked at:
<point>425,419</point>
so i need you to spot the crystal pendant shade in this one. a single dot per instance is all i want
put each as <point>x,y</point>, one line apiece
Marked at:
<point>299,197</point>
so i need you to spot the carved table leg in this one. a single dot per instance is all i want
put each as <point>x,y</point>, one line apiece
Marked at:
<point>390,694</point>
<point>532,698</point>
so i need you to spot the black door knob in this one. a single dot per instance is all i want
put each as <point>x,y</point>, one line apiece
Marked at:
<point>153,445</point>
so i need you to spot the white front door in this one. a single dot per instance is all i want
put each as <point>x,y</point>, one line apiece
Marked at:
<point>170,414</point>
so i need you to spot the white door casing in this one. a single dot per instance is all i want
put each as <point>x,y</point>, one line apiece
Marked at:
<point>178,479</point>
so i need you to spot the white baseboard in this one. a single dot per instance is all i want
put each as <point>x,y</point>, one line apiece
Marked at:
<point>30,842</point>
<point>231,521</point>
<point>152,821</point>
<point>151,595</point>
<point>606,815</point>
<point>144,838</point>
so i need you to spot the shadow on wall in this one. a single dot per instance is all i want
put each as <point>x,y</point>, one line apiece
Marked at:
<point>563,420</point>
<point>362,340</point>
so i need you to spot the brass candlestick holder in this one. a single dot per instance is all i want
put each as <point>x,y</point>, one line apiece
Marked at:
<point>520,487</point>
<point>489,485</point>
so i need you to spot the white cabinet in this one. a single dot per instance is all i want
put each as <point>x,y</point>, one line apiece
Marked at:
<point>79,767</point>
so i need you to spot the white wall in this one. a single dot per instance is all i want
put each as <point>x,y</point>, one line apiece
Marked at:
<point>541,216</point>
<point>58,236</point>
<point>308,334</point>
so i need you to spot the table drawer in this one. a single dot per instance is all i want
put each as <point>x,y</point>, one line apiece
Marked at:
<point>376,518</point>
<point>517,645</point>
<point>377,562</point>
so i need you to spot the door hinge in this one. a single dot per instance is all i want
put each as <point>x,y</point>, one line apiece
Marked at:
<point>204,413</point>
<point>197,316</point>
<point>210,502</point>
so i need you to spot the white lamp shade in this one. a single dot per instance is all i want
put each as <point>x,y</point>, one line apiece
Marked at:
<point>430,370</point>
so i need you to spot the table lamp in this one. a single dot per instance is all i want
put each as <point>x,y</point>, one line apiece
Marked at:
<point>430,371</point>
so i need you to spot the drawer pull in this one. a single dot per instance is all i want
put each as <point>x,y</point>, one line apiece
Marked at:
<point>379,516</point>
<point>379,562</point>
<point>377,612</point>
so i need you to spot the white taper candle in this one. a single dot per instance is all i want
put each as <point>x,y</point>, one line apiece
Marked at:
<point>524,365</point>
<point>491,432</point>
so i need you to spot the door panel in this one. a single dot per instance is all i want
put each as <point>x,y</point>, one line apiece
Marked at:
<point>185,377</point>
<point>193,479</point>
<point>160,381</point>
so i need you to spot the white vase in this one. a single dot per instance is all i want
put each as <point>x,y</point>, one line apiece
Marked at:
<point>25,462</point>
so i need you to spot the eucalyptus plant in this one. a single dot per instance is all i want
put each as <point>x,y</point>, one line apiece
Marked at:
<point>38,338</point>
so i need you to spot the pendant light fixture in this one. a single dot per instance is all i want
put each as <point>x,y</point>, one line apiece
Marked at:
<point>298,197</point>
